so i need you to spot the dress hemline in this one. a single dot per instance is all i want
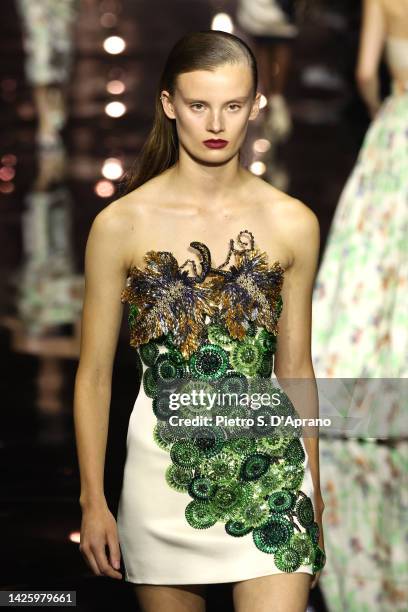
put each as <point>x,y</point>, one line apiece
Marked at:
<point>164,582</point>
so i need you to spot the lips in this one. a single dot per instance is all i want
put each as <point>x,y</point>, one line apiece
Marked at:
<point>215,143</point>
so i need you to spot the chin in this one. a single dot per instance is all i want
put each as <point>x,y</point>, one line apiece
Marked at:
<point>214,157</point>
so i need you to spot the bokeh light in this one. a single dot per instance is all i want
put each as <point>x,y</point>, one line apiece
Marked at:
<point>104,189</point>
<point>114,45</point>
<point>223,22</point>
<point>7,173</point>
<point>258,168</point>
<point>115,109</point>
<point>115,87</point>
<point>75,536</point>
<point>263,101</point>
<point>112,168</point>
<point>261,145</point>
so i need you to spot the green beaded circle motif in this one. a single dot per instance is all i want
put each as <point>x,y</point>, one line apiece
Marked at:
<point>250,485</point>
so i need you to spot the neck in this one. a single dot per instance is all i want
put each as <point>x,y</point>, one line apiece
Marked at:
<point>212,184</point>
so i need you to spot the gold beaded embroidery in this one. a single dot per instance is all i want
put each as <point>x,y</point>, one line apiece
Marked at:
<point>167,299</point>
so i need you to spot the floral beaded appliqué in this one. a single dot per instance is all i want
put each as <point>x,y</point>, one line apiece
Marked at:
<point>217,330</point>
<point>164,298</point>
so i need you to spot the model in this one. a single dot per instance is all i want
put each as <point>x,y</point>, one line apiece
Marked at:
<point>208,495</point>
<point>360,331</point>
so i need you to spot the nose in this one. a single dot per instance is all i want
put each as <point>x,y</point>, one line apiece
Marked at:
<point>215,122</point>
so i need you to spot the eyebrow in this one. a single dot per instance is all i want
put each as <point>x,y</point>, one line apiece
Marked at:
<point>240,99</point>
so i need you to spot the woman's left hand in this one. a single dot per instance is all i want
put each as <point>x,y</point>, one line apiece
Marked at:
<point>319,508</point>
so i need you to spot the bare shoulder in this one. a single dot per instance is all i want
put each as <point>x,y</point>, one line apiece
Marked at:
<point>116,226</point>
<point>288,211</point>
<point>293,221</point>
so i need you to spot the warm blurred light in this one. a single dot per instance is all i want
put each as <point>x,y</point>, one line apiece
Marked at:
<point>104,189</point>
<point>75,536</point>
<point>7,173</point>
<point>115,87</point>
<point>114,45</point>
<point>9,159</point>
<point>223,22</point>
<point>263,101</point>
<point>115,109</point>
<point>257,167</point>
<point>6,187</point>
<point>261,145</point>
<point>108,20</point>
<point>112,168</point>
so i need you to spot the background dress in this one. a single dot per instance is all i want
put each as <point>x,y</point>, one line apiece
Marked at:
<point>360,307</point>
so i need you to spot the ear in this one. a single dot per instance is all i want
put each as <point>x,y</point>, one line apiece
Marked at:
<point>167,103</point>
<point>255,107</point>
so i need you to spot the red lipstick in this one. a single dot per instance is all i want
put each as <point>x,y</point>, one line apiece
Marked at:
<point>217,143</point>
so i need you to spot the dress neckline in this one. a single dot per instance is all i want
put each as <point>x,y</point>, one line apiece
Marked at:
<point>246,247</point>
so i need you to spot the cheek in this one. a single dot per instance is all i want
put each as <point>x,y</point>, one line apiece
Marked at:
<point>189,124</point>
<point>238,124</point>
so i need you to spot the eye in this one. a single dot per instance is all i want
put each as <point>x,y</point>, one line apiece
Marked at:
<point>195,104</point>
<point>237,106</point>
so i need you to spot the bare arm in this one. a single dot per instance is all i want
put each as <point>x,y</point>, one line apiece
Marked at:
<point>293,361</point>
<point>105,276</point>
<point>372,38</point>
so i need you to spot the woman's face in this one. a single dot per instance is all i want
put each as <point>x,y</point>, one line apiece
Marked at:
<point>212,105</point>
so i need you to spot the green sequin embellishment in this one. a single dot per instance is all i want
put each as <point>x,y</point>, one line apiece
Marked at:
<point>199,514</point>
<point>163,436</point>
<point>161,406</point>
<point>305,512</point>
<point>255,466</point>
<point>246,356</point>
<point>274,534</point>
<point>293,476</point>
<point>209,440</point>
<point>265,369</point>
<point>209,362</point>
<point>287,559</point>
<point>252,329</point>
<point>178,478</point>
<point>237,528</point>
<point>272,480</point>
<point>223,468</point>
<point>282,501</point>
<point>242,446</point>
<point>167,370</point>
<point>319,560</point>
<point>294,452</point>
<point>254,514</point>
<point>233,382</point>
<point>149,383</point>
<point>227,498</point>
<point>149,352</point>
<point>314,532</point>
<point>184,453</point>
<point>304,547</point>
<point>266,340</point>
<point>274,444</point>
<point>217,334</point>
<point>202,488</point>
